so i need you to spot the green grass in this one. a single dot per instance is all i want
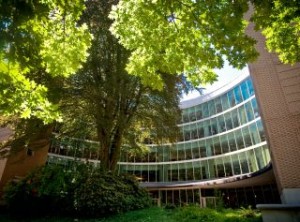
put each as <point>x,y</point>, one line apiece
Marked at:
<point>155,214</point>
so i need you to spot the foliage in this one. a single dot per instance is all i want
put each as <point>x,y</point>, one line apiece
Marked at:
<point>79,190</point>
<point>107,194</point>
<point>106,104</point>
<point>42,192</point>
<point>279,21</point>
<point>194,37</point>
<point>194,213</point>
<point>39,41</point>
<point>186,36</point>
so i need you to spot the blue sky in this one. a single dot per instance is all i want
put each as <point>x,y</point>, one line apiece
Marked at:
<point>226,74</point>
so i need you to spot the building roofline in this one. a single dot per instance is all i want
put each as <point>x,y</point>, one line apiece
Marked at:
<point>209,96</point>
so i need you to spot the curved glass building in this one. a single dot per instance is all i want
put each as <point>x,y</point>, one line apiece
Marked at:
<point>222,146</point>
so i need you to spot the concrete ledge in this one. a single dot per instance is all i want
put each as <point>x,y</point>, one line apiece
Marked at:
<point>280,212</point>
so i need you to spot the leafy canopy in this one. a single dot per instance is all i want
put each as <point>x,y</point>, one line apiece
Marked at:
<point>279,21</point>
<point>38,40</point>
<point>186,36</point>
<point>195,36</point>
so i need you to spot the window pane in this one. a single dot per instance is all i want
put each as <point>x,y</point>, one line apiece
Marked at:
<point>238,95</point>
<point>218,105</point>
<point>228,121</point>
<point>242,114</point>
<point>209,147</point>
<point>239,139</point>
<point>213,126</point>
<point>202,148</point>
<point>225,102</point>
<point>252,160</point>
<point>224,143</point>
<point>247,137</point>
<point>206,128</point>
<point>185,115</point>
<point>231,98</point>
<point>221,124</point>
<point>261,130</point>
<point>199,112</point>
<point>227,166</point>
<point>244,89</point>
<point>211,107</point>
<point>250,87</point>
<point>236,164</point>
<point>255,107</point>
<point>254,134</point>
<point>249,111</point>
<point>195,150</point>
<point>186,133</point>
<point>205,110</point>
<point>217,146</point>
<point>244,163</point>
<point>231,141</point>
<point>192,114</point>
<point>235,119</point>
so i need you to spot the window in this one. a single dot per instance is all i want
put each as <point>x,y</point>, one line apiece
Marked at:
<point>225,102</point>
<point>217,146</point>
<point>195,150</point>
<point>231,141</point>
<point>211,108</point>
<point>244,90</point>
<point>249,111</point>
<point>185,116</point>
<point>199,112</point>
<point>238,95</point>
<point>247,137</point>
<point>254,134</point>
<point>235,119</point>
<point>228,121</point>
<point>209,147</point>
<point>231,98</point>
<point>239,139</point>
<point>244,163</point>
<point>242,114</point>
<point>213,126</point>
<point>218,105</point>
<point>224,143</point>
<point>250,87</point>
<point>255,108</point>
<point>261,131</point>
<point>221,124</point>
<point>192,115</point>
<point>205,110</point>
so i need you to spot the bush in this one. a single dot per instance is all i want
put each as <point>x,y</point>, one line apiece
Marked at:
<point>106,194</point>
<point>42,192</point>
<point>80,189</point>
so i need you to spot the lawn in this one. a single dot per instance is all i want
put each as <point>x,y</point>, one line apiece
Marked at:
<point>155,214</point>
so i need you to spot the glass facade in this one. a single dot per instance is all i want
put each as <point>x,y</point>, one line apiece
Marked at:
<point>220,138</point>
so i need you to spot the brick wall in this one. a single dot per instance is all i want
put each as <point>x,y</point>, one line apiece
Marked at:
<point>277,88</point>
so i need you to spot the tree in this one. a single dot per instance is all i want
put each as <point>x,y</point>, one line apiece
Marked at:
<point>116,107</point>
<point>279,21</point>
<point>194,37</point>
<point>39,41</point>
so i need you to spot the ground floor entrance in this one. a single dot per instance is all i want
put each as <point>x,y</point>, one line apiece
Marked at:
<point>233,198</point>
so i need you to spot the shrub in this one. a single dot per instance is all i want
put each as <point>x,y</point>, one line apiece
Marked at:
<point>42,192</point>
<point>105,194</point>
<point>80,189</point>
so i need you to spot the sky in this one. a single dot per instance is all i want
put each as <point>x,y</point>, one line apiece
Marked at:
<point>226,74</point>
